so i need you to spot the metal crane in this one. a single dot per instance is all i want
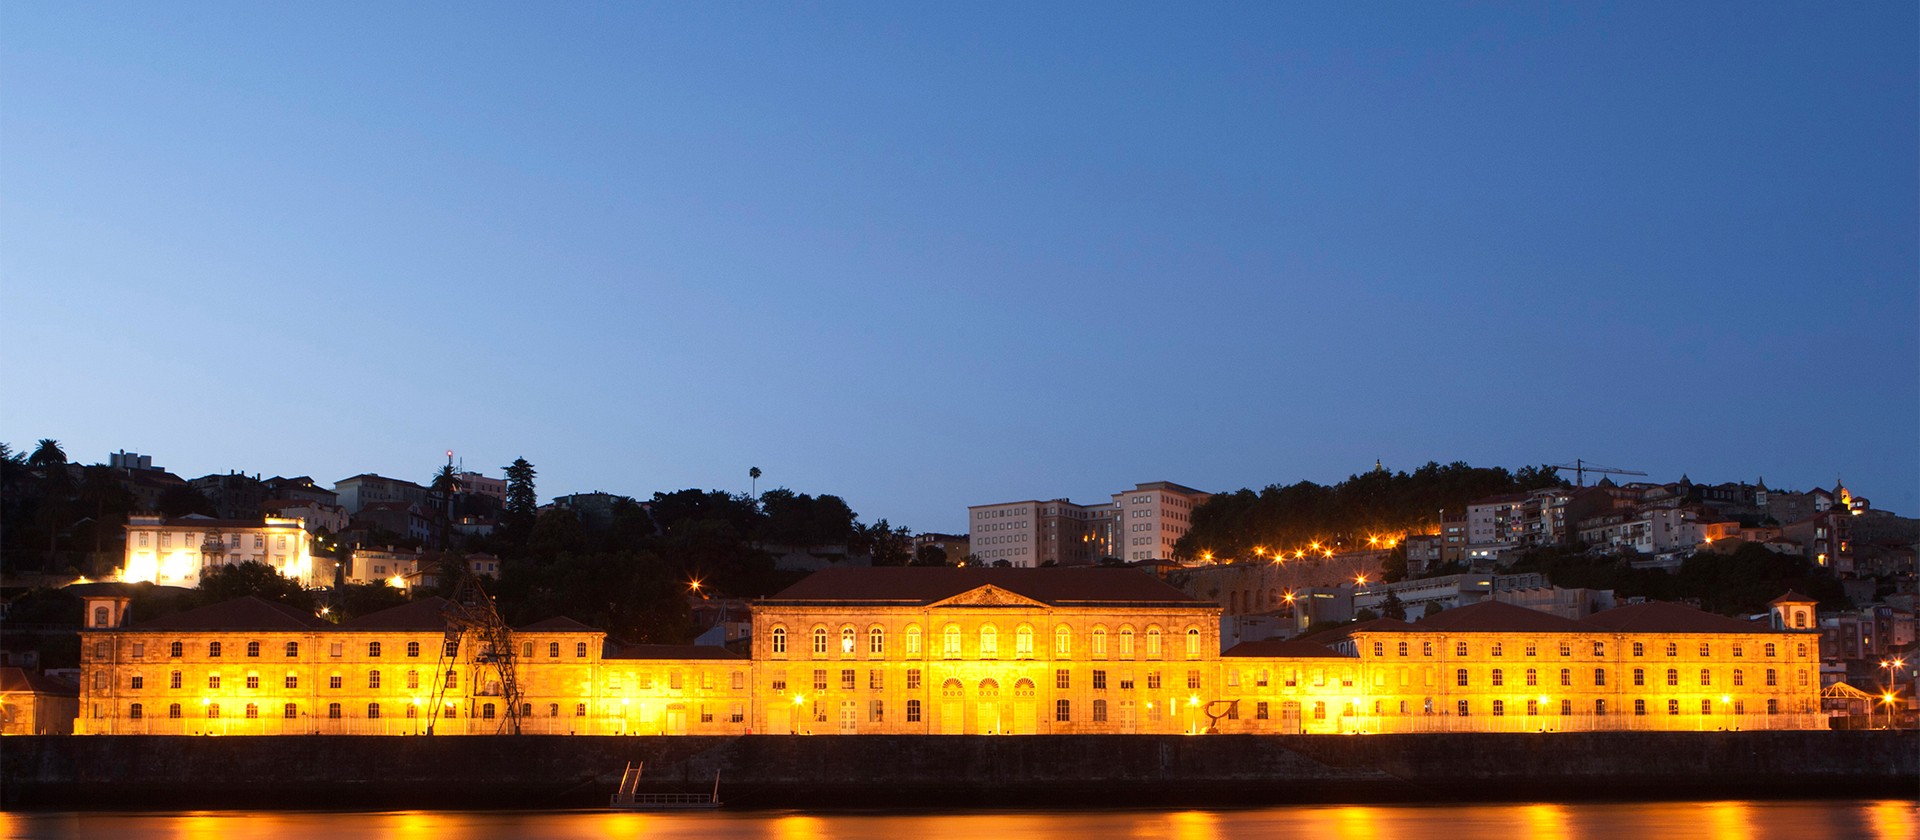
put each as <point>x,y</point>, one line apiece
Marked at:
<point>489,651</point>
<point>1581,468</point>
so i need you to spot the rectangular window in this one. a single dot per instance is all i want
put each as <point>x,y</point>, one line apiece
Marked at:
<point>1260,710</point>
<point>778,681</point>
<point>1153,679</point>
<point>1062,679</point>
<point>1099,681</point>
<point>1193,679</point>
<point>913,711</point>
<point>913,678</point>
<point>820,679</point>
<point>846,679</point>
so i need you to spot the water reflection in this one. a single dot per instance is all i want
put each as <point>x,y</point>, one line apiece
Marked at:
<point>1884,820</point>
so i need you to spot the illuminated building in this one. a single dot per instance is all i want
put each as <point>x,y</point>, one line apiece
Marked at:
<point>174,551</point>
<point>1139,524</point>
<point>955,651</point>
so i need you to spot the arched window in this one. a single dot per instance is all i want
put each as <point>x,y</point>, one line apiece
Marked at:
<point>779,641</point>
<point>136,711</point>
<point>1023,688</point>
<point>876,640</point>
<point>100,616</point>
<point>1499,677</point>
<point>290,711</point>
<point>1403,649</point>
<point>176,650</point>
<point>1379,648</point>
<point>1193,643</point>
<point>413,679</point>
<point>1062,710</point>
<point>1023,641</point>
<point>846,640</point>
<point>1062,642</point>
<point>413,649</point>
<point>951,688</point>
<point>373,679</point>
<point>913,640</point>
<point>989,688</point>
<point>989,642</point>
<point>1153,642</point>
<point>1126,641</point>
<point>1800,650</point>
<point>1533,677</point>
<point>373,650</point>
<point>173,680</point>
<point>819,641</point>
<point>950,644</point>
<point>1099,645</point>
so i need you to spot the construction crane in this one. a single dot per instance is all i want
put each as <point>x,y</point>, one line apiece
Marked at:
<point>474,628</point>
<point>1581,468</point>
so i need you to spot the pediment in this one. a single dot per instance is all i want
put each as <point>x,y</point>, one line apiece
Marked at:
<point>988,596</point>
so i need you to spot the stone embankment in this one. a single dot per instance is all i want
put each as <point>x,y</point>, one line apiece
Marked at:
<point>177,772</point>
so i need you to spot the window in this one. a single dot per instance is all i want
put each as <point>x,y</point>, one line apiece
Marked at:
<point>819,641</point>
<point>913,640</point>
<point>1773,707</point>
<point>1403,648</point>
<point>1706,707</point>
<point>878,713</point>
<point>373,650</point>
<point>137,682</point>
<point>1460,677</point>
<point>173,680</point>
<point>1706,649</point>
<point>1193,643</point>
<point>1639,707</point>
<point>1499,708</point>
<point>1062,679</point>
<point>1153,642</point>
<point>1153,679</point>
<point>846,641</point>
<point>373,710</point>
<point>876,679</point>
<point>526,651</point>
<point>1460,649</point>
<point>1566,676</point>
<point>1738,651</point>
<point>333,681</point>
<point>1426,648</point>
<point>290,711</point>
<point>913,678</point>
<point>293,649</point>
<point>1673,648</point>
<point>580,650</point>
<point>579,710</point>
<point>173,711</point>
<point>1099,711</point>
<point>333,711</point>
<point>1062,642</point>
<point>1495,650</point>
<point>373,679</point>
<point>139,650</point>
<point>213,650</point>
<point>1498,677</point>
<point>876,641</point>
<point>1099,647</point>
<point>1599,708</point>
<point>293,680</point>
<point>213,680</point>
<point>1639,676</point>
<point>1460,707</point>
<point>1063,710</point>
<point>1533,676</point>
<point>253,649</point>
<point>1566,648</point>
<point>1639,649</point>
<point>1706,676</point>
<point>1673,707</point>
<point>846,679</point>
<point>1599,648</point>
<point>819,679</point>
<point>913,711</point>
<point>453,679</point>
<point>989,642</point>
<point>177,650</point>
<point>1773,677</point>
<point>1566,708</point>
<point>950,642</point>
<point>337,649</point>
<point>1800,650</point>
<point>739,680</point>
<point>1739,677</point>
<point>136,711</point>
<point>1673,676</point>
<point>413,649</point>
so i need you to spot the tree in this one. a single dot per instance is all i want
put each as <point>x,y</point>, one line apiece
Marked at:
<point>1365,615</point>
<point>930,555</point>
<point>1433,608</point>
<point>517,519</point>
<point>444,489</point>
<point>184,500</point>
<point>51,461</point>
<point>1393,608</point>
<point>227,582</point>
<point>754,488</point>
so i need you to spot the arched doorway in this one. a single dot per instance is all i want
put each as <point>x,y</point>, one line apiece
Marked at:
<point>987,716</point>
<point>952,708</point>
<point>1026,720</point>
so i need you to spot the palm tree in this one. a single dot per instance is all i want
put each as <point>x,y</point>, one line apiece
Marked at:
<point>754,473</point>
<point>445,485</point>
<point>52,463</point>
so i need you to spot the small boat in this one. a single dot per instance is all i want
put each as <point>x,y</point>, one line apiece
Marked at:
<point>628,797</point>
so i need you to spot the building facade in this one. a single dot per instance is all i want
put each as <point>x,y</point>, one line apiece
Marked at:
<point>934,651</point>
<point>174,551</point>
<point>1138,524</point>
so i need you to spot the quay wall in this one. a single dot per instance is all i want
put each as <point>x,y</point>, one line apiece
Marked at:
<point>863,771</point>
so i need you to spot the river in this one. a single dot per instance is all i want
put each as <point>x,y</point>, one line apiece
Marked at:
<point>1727,820</point>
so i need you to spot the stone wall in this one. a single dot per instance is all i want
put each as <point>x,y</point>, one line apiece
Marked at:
<point>170,772</point>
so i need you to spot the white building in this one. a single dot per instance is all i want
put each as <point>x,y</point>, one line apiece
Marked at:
<point>1153,516</point>
<point>1139,524</point>
<point>382,565</point>
<point>365,489</point>
<point>174,552</point>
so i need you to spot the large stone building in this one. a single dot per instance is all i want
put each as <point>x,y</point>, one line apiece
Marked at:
<point>1138,524</point>
<point>953,651</point>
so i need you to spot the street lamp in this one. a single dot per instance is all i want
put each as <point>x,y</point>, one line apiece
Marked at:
<point>1892,667</point>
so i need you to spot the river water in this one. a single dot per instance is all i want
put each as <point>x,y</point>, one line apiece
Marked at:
<point>1730,820</point>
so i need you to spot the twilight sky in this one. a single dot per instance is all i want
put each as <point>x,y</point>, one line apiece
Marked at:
<point>925,256</point>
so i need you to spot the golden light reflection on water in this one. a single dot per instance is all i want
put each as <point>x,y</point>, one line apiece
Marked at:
<point>1356,822</point>
<point>799,827</point>
<point>202,826</point>
<point>1893,819</point>
<point>1195,825</point>
<point>1546,822</point>
<point>1729,820</point>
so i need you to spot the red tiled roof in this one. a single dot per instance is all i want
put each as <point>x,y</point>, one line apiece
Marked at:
<point>557,624</point>
<point>1294,649</point>
<point>21,680</point>
<point>428,614</point>
<point>1793,597</point>
<point>247,613</point>
<point>1373,625</point>
<point>1669,617</point>
<point>672,652</point>
<point>1498,617</point>
<point>925,585</point>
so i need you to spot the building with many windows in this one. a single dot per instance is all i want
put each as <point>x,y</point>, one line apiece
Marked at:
<point>1138,524</point>
<point>174,551</point>
<point>935,650</point>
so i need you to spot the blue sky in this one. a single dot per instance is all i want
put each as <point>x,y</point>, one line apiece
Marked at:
<point>930,256</point>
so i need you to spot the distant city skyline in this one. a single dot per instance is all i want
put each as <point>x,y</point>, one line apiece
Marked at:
<point>931,257</point>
